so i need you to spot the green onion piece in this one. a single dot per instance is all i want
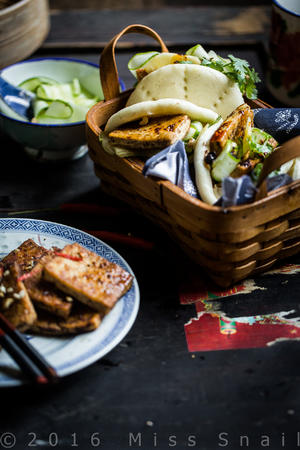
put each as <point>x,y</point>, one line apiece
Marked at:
<point>247,137</point>
<point>256,172</point>
<point>225,163</point>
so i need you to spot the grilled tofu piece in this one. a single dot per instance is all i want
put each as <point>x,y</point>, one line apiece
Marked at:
<point>232,128</point>
<point>31,257</point>
<point>82,320</point>
<point>157,133</point>
<point>26,255</point>
<point>44,294</point>
<point>89,278</point>
<point>15,303</point>
<point>245,167</point>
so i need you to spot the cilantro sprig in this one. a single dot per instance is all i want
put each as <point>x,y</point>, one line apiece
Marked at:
<point>237,70</point>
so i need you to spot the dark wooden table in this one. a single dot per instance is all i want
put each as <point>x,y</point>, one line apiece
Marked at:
<point>150,384</point>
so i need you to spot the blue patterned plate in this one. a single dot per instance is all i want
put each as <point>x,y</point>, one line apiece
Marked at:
<point>70,354</point>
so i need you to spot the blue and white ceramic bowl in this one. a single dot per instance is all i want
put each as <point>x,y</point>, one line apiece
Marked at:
<point>49,142</point>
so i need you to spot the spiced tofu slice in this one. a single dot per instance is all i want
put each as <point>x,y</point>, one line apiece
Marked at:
<point>232,128</point>
<point>81,320</point>
<point>157,133</point>
<point>30,257</point>
<point>89,278</point>
<point>15,303</point>
<point>26,255</point>
<point>44,294</point>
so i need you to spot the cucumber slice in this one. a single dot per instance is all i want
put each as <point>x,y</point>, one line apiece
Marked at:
<point>198,127</point>
<point>56,110</point>
<point>39,106</point>
<point>76,87</point>
<point>59,102</point>
<point>194,130</point>
<point>55,92</point>
<point>31,84</point>
<point>198,51</point>
<point>225,163</point>
<point>189,135</point>
<point>139,60</point>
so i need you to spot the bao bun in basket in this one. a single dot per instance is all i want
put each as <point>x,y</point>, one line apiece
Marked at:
<point>229,244</point>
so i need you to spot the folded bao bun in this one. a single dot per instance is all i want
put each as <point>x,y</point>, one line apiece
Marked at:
<point>202,173</point>
<point>198,84</point>
<point>156,108</point>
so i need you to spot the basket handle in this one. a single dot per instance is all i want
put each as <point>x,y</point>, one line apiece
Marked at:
<point>109,73</point>
<point>288,151</point>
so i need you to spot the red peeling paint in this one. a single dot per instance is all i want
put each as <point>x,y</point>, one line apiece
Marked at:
<point>205,333</point>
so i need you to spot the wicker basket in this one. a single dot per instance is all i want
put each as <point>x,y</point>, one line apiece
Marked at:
<point>229,244</point>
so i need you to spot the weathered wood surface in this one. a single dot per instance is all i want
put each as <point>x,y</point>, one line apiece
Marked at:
<point>178,26</point>
<point>121,5</point>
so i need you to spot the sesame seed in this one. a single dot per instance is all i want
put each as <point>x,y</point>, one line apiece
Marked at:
<point>22,294</point>
<point>3,288</point>
<point>1,294</point>
<point>9,289</point>
<point>69,299</point>
<point>8,302</point>
<point>16,295</point>
<point>6,273</point>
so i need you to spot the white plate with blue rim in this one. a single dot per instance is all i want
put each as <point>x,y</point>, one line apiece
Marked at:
<point>68,354</point>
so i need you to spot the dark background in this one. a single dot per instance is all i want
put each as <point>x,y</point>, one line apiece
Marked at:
<point>150,383</point>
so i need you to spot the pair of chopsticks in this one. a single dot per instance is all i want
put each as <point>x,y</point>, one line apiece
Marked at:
<point>32,363</point>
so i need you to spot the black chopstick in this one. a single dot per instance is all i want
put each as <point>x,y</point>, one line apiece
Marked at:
<point>29,369</point>
<point>25,355</point>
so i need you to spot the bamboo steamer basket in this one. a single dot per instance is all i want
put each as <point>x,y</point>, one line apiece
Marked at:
<point>23,27</point>
<point>230,244</point>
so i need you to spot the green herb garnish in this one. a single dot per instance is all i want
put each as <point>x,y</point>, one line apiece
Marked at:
<point>237,70</point>
<point>261,143</point>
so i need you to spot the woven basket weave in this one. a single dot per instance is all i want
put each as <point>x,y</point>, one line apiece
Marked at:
<point>229,244</point>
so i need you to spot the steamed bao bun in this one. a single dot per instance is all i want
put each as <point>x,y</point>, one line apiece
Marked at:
<point>197,84</point>
<point>157,108</point>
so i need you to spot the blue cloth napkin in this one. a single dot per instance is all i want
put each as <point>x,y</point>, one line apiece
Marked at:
<point>172,164</point>
<point>238,191</point>
<point>282,124</point>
